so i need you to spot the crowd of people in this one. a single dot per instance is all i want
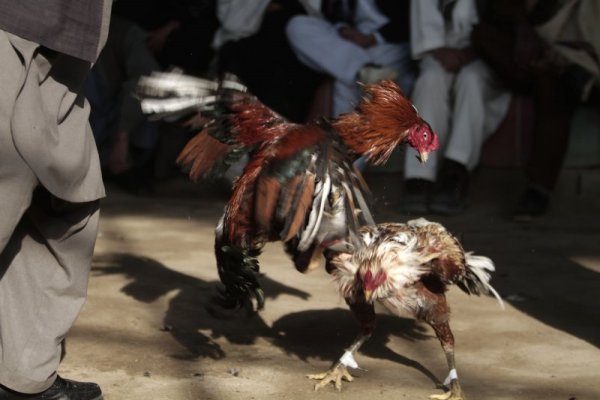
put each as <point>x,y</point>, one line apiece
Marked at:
<point>459,61</point>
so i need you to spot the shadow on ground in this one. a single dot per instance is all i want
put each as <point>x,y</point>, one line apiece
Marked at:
<point>325,334</point>
<point>320,334</point>
<point>536,272</point>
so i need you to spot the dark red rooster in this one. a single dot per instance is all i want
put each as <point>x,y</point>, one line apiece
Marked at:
<point>406,267</point>
<point>299,186</point>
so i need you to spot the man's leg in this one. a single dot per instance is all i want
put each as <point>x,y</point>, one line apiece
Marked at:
<point>317,44</point>
<point>46,266</point>
<point>431,98</point>
<point>480,104</point>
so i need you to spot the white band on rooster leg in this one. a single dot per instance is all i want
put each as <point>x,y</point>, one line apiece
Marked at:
<point>347,360</point>
<point>452,375</point>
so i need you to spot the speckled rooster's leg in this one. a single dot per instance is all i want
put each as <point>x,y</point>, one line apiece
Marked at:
<point>339,371</point>
<point>446,338</point>
<point>365,313</point>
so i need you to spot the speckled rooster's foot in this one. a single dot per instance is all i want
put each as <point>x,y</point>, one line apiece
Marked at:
<point>335,375</point>
<point>455,393</point>
<point>447,396</point>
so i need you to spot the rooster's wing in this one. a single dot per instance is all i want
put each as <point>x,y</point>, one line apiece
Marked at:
<point>230,121</point>
<point>299,183</point>
<point>301,188</point>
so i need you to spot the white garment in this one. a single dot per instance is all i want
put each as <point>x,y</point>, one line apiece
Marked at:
<point>317,43</point>
<point>238,19</point>
<point>429,30</point>
<point>462,108</point>
<point>575,23</point>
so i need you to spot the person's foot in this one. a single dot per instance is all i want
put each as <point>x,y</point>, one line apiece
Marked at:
<point>533,203</point>
<point>450,194</point>
<point>61,389</point>
<point>415,196</point>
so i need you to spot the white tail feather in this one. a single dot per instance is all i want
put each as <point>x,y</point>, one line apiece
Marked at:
<point>169,83</point>
<point>174,104</point>
<point>166,93</point>
<point>322,191</point>
<point>233,85</point>
<point>481,267</point>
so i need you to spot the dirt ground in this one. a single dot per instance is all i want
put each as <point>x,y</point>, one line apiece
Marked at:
<point>146,331</point>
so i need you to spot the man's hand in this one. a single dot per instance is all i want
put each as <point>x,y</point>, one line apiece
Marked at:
<point>529,47</point>
<point>357,37</point>
<point>158,37</point>
<point>118,157</point>
<point>453,59</point>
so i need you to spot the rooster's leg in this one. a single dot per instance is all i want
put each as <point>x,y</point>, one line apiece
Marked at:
<point>365,313</point>
<point>444,334</point>
<point>238,268</point>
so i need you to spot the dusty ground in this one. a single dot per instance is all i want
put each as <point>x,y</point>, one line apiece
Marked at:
<point>145,332</point>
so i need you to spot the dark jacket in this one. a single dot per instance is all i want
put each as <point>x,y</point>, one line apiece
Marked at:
<point>398,28</point>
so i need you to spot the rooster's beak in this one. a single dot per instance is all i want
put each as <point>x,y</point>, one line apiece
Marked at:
<point>368,295</point>
<point>423,156</point>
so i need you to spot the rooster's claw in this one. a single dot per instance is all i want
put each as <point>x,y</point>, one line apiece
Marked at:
<point>334,375</point>
<point>455,393</point>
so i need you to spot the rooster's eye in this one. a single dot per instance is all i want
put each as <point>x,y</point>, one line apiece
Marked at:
<point>425,135</point>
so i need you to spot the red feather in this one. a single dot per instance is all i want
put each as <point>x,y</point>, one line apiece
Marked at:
<point>267,194</point>
<point>297,138</point>
<point>304,205</point>
<point>201,153</point>
<point>254,123</point>
<point>238,213</point>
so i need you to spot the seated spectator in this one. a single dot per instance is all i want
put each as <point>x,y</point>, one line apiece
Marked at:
<point>251,44</point>
<point>459,95</point>
<point>548,50</point>
<point>179,31</point>
<point>354,40</point>
<point>125,139</point>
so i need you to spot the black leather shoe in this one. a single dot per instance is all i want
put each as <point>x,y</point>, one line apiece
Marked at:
<point>415,196</point>
<point>450,195</point>
<point>533,203</point>
<point>61,389</point>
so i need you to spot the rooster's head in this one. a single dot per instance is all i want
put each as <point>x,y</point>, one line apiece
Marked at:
<point>422,139</point>
<point>384,118</point>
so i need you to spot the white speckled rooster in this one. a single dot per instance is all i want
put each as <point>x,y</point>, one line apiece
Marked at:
<point>406,267</point>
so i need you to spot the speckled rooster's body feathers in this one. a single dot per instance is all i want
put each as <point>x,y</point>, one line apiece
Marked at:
<point>415,258</point>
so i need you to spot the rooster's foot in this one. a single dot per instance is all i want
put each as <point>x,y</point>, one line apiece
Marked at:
<point>455,393</point>
<point>335,375</point>
<point>447,396</point>
<point>237,299</point>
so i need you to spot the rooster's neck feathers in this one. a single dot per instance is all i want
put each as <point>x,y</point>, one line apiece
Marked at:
<point>380,122</point>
